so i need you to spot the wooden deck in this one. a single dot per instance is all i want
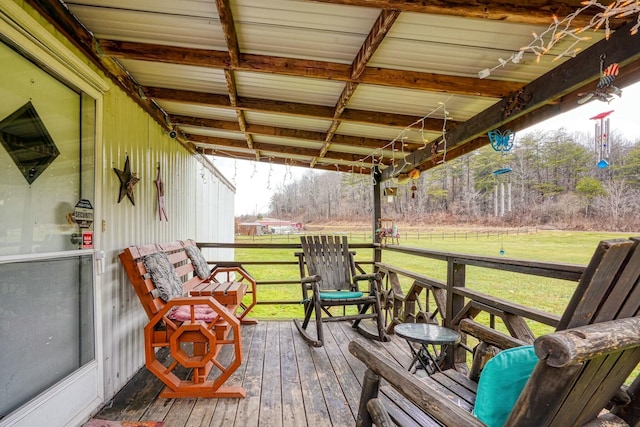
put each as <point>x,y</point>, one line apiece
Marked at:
<point>287,382</point>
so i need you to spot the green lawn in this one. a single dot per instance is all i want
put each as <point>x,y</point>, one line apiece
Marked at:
<point>545,294</point>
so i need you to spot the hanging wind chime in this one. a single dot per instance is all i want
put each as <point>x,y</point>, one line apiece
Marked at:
<point>502,142</point>
<point>601,141</point>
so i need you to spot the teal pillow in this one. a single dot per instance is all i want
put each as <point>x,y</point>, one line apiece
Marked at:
<point>501,383</point>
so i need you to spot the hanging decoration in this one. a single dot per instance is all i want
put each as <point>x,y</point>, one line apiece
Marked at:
<point>602,146</point>
<point>501,141</point>
<point>515,103</point>
<point>390,193</point>
<point>162,212</point>
<point>128,180</point>
<point>414,188</point>
<point>561,29</point>
<point>605,90</point>
<point>376,157</point>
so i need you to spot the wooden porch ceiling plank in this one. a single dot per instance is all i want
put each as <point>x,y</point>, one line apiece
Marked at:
<point>296,109</point>
<point>254,129</point>
<point>622,47</point>
<point>308,68</point>
<point>537,12</point>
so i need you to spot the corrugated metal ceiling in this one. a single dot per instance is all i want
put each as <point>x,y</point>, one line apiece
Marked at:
<point>329,83</point>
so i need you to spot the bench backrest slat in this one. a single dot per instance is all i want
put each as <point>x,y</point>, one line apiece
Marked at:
<point>131,259</point>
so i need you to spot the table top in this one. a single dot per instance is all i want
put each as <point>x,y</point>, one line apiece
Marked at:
<point>426,333</point>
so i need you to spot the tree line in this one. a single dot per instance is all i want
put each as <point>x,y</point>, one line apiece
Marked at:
<point>551,177</point>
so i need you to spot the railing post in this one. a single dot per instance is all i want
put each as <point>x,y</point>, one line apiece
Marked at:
<point>456,278</point>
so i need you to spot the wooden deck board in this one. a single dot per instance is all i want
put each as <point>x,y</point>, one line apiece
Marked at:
<point>292,400</point>
<point>287,383</point>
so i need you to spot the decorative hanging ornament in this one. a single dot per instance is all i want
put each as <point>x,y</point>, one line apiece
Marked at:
<point>414,188</point>
<point>128,180</point>
<point>602,146</point>
<point>414,173</point>
<point>162,212</point>
<point>501,141</point>
<point>605,90</point>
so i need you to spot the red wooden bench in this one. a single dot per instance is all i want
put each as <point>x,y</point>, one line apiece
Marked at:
<point>196,325</point>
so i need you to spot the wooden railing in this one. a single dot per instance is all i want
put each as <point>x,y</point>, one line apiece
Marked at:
<point>411,296</point>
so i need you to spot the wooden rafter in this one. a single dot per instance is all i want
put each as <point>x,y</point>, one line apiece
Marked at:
<point>286,161</point>
<point>380,28</point>
<point>539,12</point>
<point>292,108</point>
<point>229,30</point>
<point>622,48</point>
<point>254,129</point>
<point>283,150</point>
<point>312,69</point>
<point>231,38</point>
<point>372,42</point>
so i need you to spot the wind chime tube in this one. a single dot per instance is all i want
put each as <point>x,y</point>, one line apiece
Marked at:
<point>495,201</point>
<point>509,196</point>
<point>598,142</point>
<point>502,199</point>
<point>607,145</point>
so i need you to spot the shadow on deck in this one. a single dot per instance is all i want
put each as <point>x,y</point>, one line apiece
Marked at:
<point>287,382</point>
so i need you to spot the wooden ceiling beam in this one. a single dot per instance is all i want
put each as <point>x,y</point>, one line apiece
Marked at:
<point>229,30</point>
<point>379,29</point>
<point>285,161</point>
<point>253,129</point>
<point>622,48</point>
<point>375,37</point>
<point>236,144</point>
<point>459,85</point>
<point>292,108</point>
<point>536,12</point>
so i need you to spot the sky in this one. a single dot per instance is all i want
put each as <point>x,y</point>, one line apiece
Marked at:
<point>255,182</point>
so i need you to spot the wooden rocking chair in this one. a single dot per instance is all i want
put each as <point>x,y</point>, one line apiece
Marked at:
<point>329,279</point>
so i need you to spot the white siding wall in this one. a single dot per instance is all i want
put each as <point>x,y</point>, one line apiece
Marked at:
<point>199,205</point>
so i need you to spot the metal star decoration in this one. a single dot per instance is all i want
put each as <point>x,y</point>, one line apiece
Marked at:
<point>127,180</point>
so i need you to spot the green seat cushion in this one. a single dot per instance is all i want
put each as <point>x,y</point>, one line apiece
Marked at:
<point>340,295</point>
<point>501,383</point>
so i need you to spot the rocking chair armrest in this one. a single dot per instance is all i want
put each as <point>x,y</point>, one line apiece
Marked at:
<point>360,277</point>
<point>311,279</point>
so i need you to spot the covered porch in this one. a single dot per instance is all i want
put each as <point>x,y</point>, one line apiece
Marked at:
<point>383,89</point>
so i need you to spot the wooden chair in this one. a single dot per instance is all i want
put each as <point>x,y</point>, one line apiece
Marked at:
<point>582,367</point>
<point>329,279</point>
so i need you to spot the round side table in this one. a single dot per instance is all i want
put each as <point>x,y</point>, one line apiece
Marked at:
<point>426,334</point>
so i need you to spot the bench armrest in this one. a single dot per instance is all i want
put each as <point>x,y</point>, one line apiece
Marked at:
<point>361,277</point>
<point>311,279</point>
<point>423,395</point>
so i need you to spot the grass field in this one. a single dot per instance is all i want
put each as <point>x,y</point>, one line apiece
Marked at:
<point>544,294</point>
